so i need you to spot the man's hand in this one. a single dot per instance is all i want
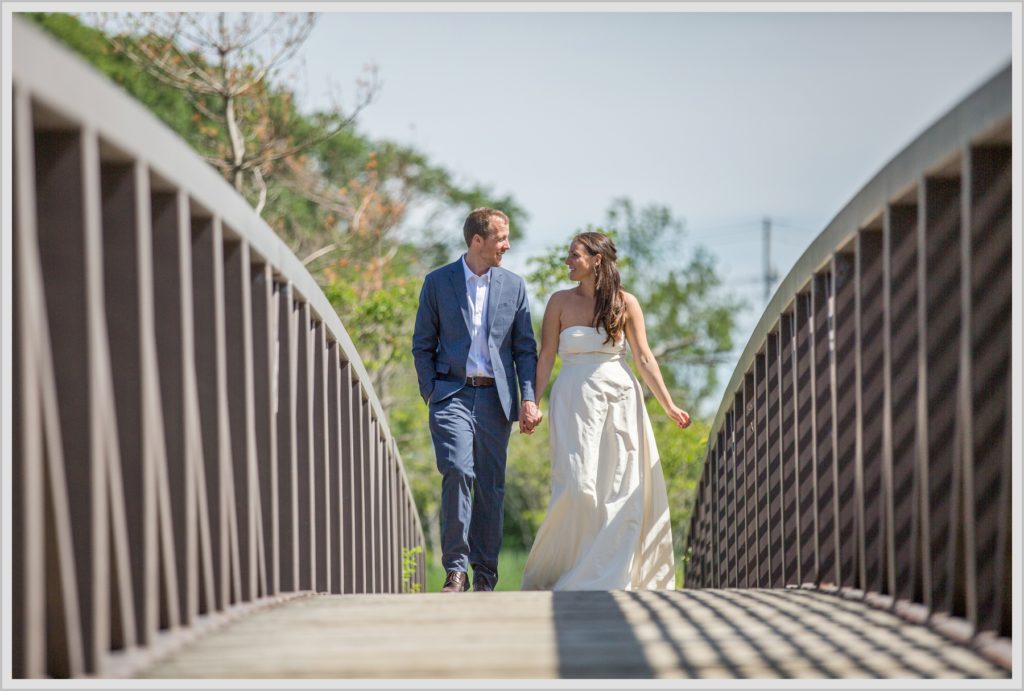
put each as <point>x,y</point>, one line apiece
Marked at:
<point>529,417</point>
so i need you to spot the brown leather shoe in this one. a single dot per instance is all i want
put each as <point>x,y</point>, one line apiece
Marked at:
<point>480,586</point>
<point>455,582</point>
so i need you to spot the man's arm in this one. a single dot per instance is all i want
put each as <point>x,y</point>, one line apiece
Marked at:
<point>524,354</point>
<point>425,337</point>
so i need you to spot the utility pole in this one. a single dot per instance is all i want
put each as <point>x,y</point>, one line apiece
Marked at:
<point>770,277</point>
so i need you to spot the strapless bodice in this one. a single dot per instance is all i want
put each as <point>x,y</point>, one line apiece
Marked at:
<point>588,342</point>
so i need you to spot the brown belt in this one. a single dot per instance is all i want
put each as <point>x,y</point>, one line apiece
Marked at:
<point>479,381</point>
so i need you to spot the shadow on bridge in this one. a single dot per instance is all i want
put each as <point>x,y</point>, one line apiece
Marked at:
<point>701,634</point>
<point>746,634</point>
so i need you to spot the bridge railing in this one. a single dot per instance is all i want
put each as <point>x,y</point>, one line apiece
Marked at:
<point>864,441</point>
<point>194,432</point>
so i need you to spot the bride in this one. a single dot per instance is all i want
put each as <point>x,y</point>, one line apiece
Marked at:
<point>607,525</point>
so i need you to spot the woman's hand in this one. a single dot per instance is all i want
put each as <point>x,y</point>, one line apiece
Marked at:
<point>679,416</point>
<point>529,417</point>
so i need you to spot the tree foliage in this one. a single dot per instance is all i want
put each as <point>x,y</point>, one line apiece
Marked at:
<point>226,64</point>
<point>170,105</point>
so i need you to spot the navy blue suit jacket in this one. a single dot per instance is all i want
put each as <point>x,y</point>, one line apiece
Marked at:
<point>441,342</point>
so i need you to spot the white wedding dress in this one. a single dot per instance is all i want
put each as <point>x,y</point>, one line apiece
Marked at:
<point>607,526</point>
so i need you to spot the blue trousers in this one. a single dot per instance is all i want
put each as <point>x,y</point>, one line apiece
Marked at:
<point>470,434</point>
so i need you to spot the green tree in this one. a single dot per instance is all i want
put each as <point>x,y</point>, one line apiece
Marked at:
<point>170,105</point>
<point>226,65</point>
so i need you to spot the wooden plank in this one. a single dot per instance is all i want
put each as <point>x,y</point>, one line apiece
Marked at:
<point>739,578</point>
<point>334,488</point>
<point>359,516</point>
<point>871,402</point>
<point>319,471</point>
<point>790,511</point>
<point>238,348</point>
<point>286,553</point>
<point>761,474</point>
<point>304,446</point>
<point>264,363</point>
<point>62,246</point>
<point>938,259</point>
<point>590,634</point>
<point>824,428</point>
<point>901,409</point>
<point>731,498</point>
<point>721,539</point>
<point>844,400</point>
<point>121,230</point>
<point>807,517</point>
<point>986,343</point>
<point>750,488</point>
<point>774,490</point>
<point>346,475</point>
<point>42,529</point>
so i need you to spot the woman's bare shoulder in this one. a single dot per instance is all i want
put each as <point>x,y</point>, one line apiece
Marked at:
<point>630,300</point>
<point>559,296</point>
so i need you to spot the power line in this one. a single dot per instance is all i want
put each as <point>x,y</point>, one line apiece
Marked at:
<point>789,226</point>
<point>733,242</point>
<point>738,225</point>
<point>748,226</point>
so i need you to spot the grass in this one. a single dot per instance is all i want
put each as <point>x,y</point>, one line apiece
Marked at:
<point>510,570</point>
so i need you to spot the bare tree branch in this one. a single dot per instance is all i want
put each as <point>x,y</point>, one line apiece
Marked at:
<point>223,62</point>
<point>319,253</point>
<point>666,348</point>
<point>261,185</point>
<point>198,104</point>
<point>289,47</point>
<point>255,36</point>
<point>307,144</point>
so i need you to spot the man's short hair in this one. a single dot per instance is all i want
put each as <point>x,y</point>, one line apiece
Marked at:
<point>479,223</point>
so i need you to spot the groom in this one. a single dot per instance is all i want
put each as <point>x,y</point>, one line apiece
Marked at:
<point>474,351</point>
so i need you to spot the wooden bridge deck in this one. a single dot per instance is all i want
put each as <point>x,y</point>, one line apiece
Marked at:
<point>690,634</point>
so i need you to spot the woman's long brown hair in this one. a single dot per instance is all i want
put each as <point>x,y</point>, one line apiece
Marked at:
<point>609,304</point>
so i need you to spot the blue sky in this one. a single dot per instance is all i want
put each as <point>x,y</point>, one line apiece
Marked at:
<point>725,117</point>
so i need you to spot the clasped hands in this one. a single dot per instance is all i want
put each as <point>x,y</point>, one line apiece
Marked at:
<point>529,417</point>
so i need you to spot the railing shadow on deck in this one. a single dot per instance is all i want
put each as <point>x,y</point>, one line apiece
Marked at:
<point>863,445</point>
<point>194,431</point>
<point>747,633</point>
<point>594,638</point>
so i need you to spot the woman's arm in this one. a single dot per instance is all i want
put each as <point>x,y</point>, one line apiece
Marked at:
<point>549,332</point>
<point>636,334</point>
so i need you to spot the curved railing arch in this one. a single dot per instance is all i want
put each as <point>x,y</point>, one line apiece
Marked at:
<point>865,437</point>
<point>194,431</point>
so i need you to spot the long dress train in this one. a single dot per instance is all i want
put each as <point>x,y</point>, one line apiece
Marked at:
<point>607,525</point>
